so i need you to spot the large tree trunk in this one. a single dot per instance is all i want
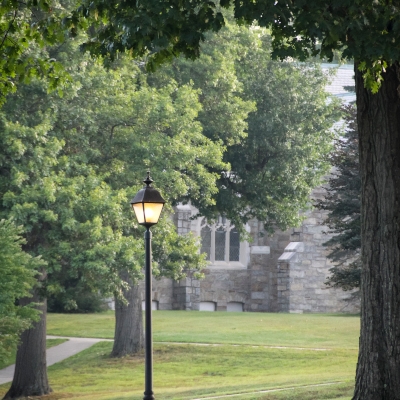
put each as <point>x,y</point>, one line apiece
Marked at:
<point>30,376</point>
<point>128,337</point>
<point>378,117</point>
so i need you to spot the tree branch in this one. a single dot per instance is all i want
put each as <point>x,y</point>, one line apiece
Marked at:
<point>8,30</point>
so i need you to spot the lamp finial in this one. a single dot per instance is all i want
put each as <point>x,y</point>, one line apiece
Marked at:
<point>148,181</point>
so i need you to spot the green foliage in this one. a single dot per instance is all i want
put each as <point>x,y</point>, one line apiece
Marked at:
<point>146,27</point>
<point>282,159</point>
<point>74,297</point>
<point>366,31</point>
<point>176,255</point>
<point>25,29</point>
<point>223,110</point>
<point>68,165</point>
<point>343,201</point>
<point>274,119</point>
<point>18,270</point>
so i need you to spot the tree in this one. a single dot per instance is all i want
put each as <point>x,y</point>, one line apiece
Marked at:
<point>67,172</point>
<point>282,159</point>
<point>22,160</point>
<point>18,270</point>
<point>228,95</point>
<point>369,33</point>
<point>342,200</point>
<point>30,375</point>
<point>174,256</point>
<point>120,133</point>
<point>287,131</point>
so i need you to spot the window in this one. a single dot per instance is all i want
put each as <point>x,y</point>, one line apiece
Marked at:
<point>220,242</point>
<point>206,241</point>
<point>207,306</point>
<point>234,245</point>
<point>234,306</point>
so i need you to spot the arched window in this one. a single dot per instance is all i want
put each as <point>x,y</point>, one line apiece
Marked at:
<point>221,242</point>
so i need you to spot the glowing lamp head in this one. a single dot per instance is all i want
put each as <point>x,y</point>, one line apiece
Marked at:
<point>148,204</point>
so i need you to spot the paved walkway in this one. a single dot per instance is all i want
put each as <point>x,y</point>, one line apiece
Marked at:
<point>55,354</point>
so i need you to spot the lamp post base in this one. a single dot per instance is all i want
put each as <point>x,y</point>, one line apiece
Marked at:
<point>148,396</point>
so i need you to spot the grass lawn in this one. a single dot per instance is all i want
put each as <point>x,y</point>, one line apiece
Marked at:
<point>243,364</point>
<point>11,360</point>
<point>294,330</point>
<point>190,372</point>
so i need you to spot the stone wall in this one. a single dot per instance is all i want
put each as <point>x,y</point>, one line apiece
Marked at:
<point>285,272</point>
<point>186,294</point>
<point>181,218</point>
<point>304,267</point>
<point>162,292</point>
<point>222,286</point>
<point>262,266</point>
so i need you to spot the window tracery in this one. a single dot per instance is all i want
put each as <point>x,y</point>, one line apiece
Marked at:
<point>220,241</point>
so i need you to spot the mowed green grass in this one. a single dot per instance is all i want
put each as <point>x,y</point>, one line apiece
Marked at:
<point>294,330</point>
<point>242,358</point>
<point>191,372</point>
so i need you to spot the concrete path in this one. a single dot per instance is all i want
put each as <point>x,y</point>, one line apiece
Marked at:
<point>55,354</point>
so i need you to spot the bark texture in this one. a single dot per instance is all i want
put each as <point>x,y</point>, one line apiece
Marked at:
<point>30,376</point>
<point>378,117</point>
<point>128,337</point>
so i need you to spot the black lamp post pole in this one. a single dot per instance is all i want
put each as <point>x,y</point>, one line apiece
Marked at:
<point>148,394</point>
<point>148,204</point>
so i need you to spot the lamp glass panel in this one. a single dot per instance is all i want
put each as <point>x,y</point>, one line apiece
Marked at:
<point>138,208</point>
<point>152,212</point>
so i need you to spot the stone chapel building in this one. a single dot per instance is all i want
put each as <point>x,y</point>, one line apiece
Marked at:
<point>280,273</point>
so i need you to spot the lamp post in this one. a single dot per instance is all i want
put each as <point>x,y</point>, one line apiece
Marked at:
<point>148,205</point>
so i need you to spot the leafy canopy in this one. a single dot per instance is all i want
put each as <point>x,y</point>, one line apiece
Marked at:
<point>367,31</point>
<point>26,28</point>
<point>71,164</point>
<point>274,119</point>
